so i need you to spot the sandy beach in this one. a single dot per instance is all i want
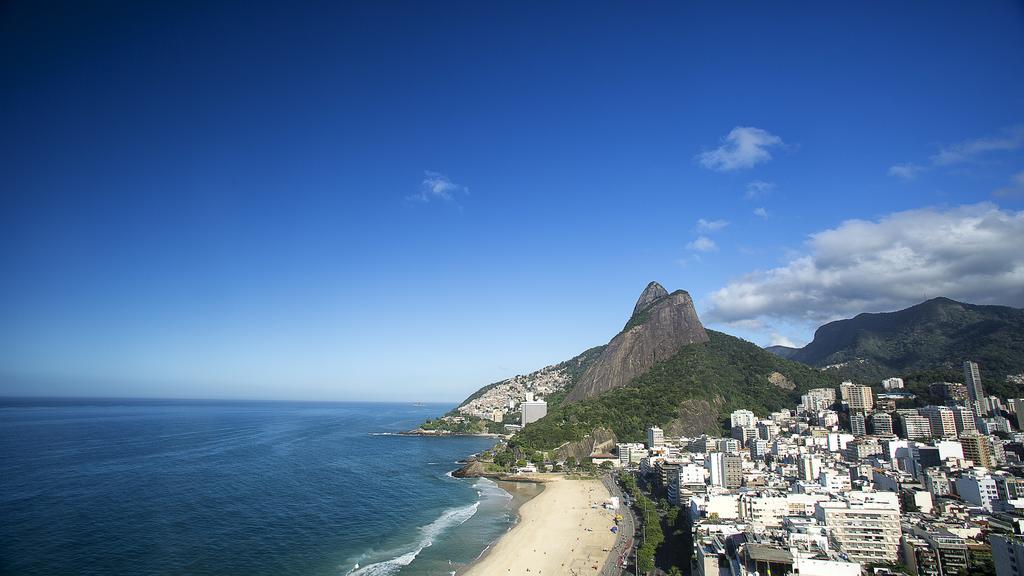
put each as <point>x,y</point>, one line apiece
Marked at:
<point>558,533</point>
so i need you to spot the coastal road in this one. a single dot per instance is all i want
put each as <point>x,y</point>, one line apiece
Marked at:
<point>627,529</point>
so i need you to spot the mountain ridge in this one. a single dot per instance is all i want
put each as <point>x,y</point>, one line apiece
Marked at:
<point>937,334</point>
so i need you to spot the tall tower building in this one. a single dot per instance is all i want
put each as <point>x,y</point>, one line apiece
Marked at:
<point>972,379</point>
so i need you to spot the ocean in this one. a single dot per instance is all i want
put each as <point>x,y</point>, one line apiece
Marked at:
<point>204,487</point>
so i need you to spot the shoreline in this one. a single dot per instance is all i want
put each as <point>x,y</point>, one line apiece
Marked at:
<point>559,530</point>
<point>518,501</point>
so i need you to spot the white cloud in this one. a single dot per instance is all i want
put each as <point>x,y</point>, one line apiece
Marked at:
<point>702,244</point>
<point>907,171</point>
<point>780,340</point>
<point>711,225</point>
<point>761,213</point>
<point>758,189</point>
<point>970,253</point>
<point>743,147</point>
<point>437,186</point>
<point>1015,188</point>
<point>963,152</point>
<point>968,150</point>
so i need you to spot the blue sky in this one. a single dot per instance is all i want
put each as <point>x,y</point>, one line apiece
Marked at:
<point>408,200</point>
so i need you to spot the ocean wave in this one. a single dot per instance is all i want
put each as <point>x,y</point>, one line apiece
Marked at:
<point>448,519</point>
<point>487,488</point>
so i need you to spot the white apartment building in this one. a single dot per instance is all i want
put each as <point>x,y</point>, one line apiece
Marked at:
<point>949,449</point>
<point>532,410</point>
<point>864,525</point>
<point>978,489</point>
<point>818,399</point>
<point>768,510</point>
<point>744,418</point>
<point>724,506</point>
<point>892,383</point>
<point>835,481</point>
<point>916,427</point>
<point>810,468</point>
<point>837,441</point>
<point>631,453</point>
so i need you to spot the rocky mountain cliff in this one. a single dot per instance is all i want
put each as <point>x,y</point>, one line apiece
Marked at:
<point>660,326</point>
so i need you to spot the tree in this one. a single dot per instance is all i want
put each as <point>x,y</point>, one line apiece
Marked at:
<point>675,571</point>
<point>645,558</point>
<point>672,516</point>
<point>570,463</point>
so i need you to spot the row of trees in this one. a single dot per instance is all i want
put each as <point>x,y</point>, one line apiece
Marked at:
<point>657,516</point>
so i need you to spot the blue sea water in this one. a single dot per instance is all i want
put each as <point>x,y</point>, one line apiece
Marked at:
<point>195,487</point>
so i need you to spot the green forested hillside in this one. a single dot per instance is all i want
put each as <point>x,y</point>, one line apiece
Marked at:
<point>726,371</point>
<point>936,336</point>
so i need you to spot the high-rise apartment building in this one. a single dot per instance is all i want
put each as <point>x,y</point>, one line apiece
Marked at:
<point>743,418</point>
<point>977,449</point>
<point>724,470</point>
<point>858,424</point>
<point>915,427</point>
<point>818,399</point>
<point>941,419</point>
<point>866,525</point>
<point>860,398</point>
<point>881,424</point>
<point>964,419</point>
<point>972,379</point>
<point>655,437</point>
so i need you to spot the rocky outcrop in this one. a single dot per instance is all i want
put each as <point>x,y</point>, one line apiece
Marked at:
<point>653,292</point>
<point>779,379</point>
<point>599,441</point>
<point>661,324</point>
<point>695,417</point>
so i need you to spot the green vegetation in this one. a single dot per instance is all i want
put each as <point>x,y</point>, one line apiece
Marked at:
<point>462,425</point>
<point>657,518</point>
<point>726,371</point>
<point>932,337</point>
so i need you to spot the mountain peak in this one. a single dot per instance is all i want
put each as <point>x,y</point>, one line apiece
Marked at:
<point>649,295</point>
<point>661,325</point>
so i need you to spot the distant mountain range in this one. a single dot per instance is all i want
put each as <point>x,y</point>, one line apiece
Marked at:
<point>935,336</point>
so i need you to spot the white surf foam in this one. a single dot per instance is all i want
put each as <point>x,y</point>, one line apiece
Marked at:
<point>449,519</point>
<point>487,488</point>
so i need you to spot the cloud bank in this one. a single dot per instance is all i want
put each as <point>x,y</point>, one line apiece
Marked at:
<point>743,147</point>
<point>973,253</point>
